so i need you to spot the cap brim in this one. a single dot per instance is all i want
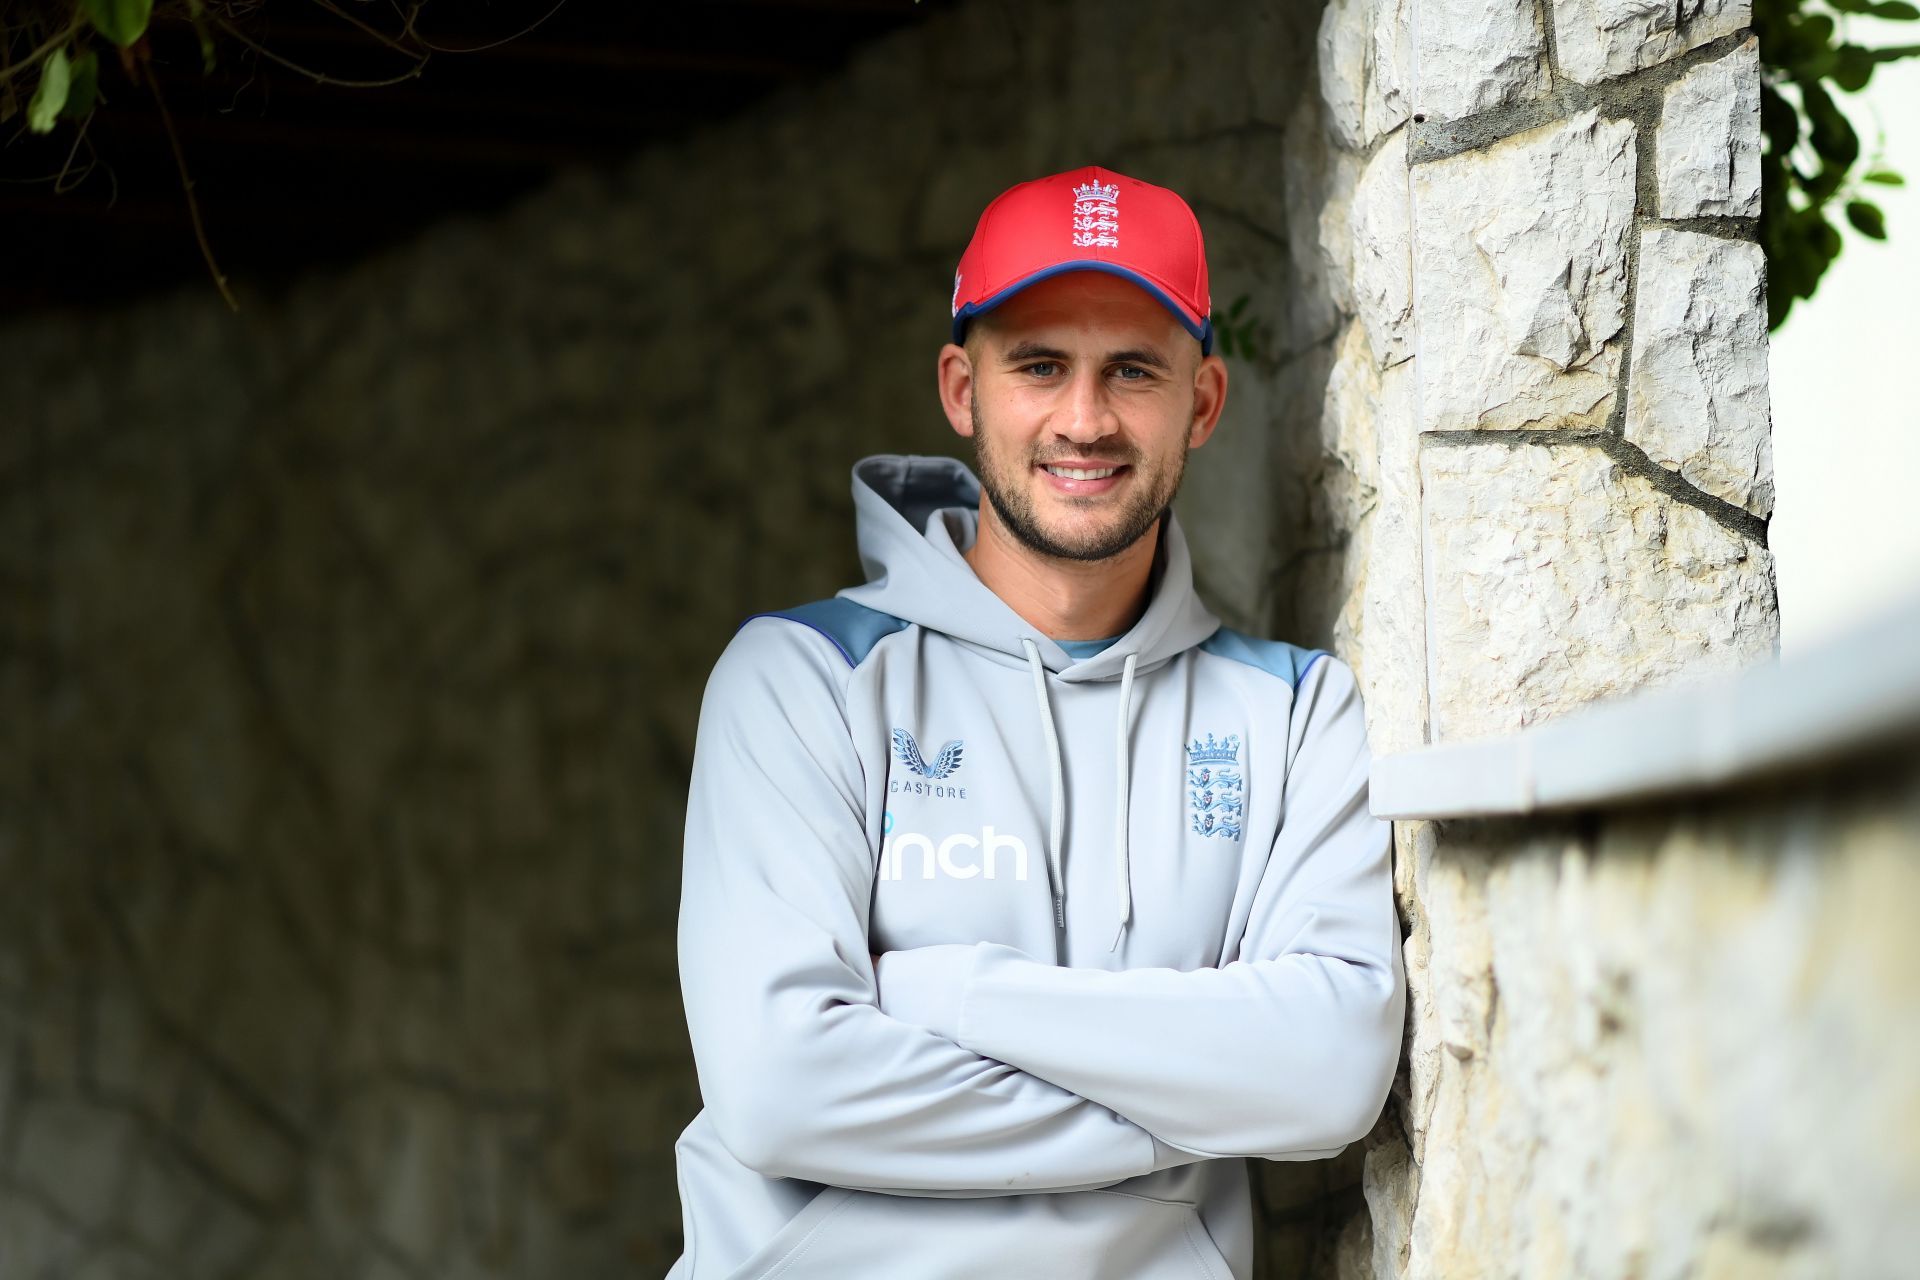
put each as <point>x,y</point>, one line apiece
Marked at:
<point>1200,328</point>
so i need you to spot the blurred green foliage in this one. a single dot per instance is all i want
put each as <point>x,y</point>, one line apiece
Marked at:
<point>1804,51</point>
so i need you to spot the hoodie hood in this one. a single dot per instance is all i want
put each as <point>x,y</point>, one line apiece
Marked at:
<point>915,517</point>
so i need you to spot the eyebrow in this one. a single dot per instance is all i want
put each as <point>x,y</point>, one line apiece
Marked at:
<point>1133,355</point>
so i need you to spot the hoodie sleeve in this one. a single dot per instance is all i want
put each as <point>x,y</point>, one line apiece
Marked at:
<point>1288,1051</point>
<point>802,1073</point>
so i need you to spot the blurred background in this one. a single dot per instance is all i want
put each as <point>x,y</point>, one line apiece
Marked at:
<point>1847,542</point>
<point>401,405</point>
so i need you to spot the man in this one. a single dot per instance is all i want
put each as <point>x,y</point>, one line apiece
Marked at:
<point>1023,902</point>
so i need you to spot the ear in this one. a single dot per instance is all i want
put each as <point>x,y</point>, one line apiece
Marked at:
<point>954,375</point>
<point>1209,398</point>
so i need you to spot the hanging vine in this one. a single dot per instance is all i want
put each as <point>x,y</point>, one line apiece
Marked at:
<point>65,49</point>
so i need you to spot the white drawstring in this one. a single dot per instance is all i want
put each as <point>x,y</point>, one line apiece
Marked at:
<point>1125,853</point>
<point>1056,815</point>
<point>1058,812</point>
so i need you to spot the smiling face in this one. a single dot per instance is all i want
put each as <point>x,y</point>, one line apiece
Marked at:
<point>1082,396</point>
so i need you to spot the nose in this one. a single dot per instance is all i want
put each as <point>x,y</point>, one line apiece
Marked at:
<point>1088,413</point>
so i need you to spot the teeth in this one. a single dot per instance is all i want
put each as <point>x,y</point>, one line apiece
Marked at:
<point>1073,474</point>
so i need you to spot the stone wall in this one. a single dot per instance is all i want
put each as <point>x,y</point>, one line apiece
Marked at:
<point>1676,1039</point>
<point>1547,214</point>
<point>352,646</point>
<point>1656,1040</point>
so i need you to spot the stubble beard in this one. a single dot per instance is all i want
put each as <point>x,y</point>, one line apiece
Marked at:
<point>1008,495</point>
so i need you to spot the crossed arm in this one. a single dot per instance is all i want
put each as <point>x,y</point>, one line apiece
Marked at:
<point>974,1069</point>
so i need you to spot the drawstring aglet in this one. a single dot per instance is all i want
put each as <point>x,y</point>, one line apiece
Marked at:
<point>1059,912</point>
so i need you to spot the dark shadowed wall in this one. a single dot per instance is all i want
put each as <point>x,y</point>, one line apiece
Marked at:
<point>350,648</point>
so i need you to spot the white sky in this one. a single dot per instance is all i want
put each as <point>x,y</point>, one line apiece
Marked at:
<point>1845,373</point>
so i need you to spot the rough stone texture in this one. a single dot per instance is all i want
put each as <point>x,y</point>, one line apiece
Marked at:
<point>1475,55</point>
<point>1364,61</point>
<point>1349,484</point>
<point>1369,416</point>
<point>1390,67</point>
<point>1555,579</point>
<point>1678,1041</point>
<point>1707,153</point>
<point>1697,397</point>
<point>351,648</point>
<point>1581,1031</point>
<point>1382,237</point>
<point>1346,34</point>
<point>1392,640</point>
<point>1599,39</point>
<point>1320,180</point>
<point>1519,262</point>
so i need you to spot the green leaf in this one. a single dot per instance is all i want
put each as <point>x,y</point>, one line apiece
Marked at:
<point>1833,137</point>
<point>1894,11</point>
<point>1867,219</point>
<point>1852,67</point>
<point>1825,243</point>
<point>85,89</point>
<point>55,79</point>
<point>198,12</point>
<point>1885,177</point>
<point>121,21</point>
<point>1778,120</point>
<point>1824,183</point>
<point>1894,52</point>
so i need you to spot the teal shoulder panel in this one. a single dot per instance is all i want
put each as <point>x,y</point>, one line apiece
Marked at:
<point>1275,657</point>
<point>853,628</point>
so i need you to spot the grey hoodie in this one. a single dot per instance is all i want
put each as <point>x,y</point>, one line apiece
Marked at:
<point>1135,921</point>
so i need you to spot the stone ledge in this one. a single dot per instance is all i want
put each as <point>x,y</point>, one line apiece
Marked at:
<point>1857,690</point>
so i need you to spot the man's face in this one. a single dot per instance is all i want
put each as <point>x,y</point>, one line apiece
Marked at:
<point>1081,372</point>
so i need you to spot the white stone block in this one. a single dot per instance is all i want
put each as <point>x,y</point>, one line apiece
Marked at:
<point>1345,486</point>
<point>1341,61</point>
<point>1319,178</point>
<point>1598,39</point>
<point>1364,59</point>
<point>1556,579</point>
<point>1474,55</point>
<point>1707,156</point>
<point>1519,267</point>
<point>1697,399</point>
<point>1389,99</point>
<point>1393,616</point>
<point>1382,256</point>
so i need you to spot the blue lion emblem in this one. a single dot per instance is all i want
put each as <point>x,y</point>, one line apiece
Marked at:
<point>1210,824</point>
<point>1228,803</point>
<point>944,765</point>
<point>1216,792</point>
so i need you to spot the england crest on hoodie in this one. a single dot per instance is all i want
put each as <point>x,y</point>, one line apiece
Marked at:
<point>1135,921</point>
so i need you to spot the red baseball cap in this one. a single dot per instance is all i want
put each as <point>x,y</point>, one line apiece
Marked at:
<point>1087,219</point>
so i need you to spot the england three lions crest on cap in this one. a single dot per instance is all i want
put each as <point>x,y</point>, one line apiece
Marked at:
<point>1096,215</point>
<point>1216,791</point>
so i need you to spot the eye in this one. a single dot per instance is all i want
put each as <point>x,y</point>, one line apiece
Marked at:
<point>1125,370</point>
<point>1042,369</point>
